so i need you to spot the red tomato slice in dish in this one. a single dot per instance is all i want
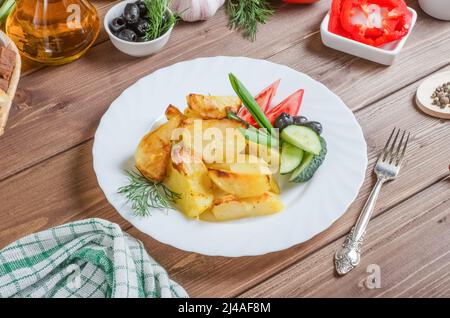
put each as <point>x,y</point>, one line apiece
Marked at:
<point>291,105</point>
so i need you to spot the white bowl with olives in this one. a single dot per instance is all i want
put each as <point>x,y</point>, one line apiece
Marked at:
<point>139,27</point>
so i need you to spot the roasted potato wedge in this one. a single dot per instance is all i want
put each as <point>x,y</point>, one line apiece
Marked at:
<point>215,140</point>
<point>153,152</point>
<point>213,107</point>
<point>232,208</point>
<point>189,113</point>
<point>268,154</point>
<point>173,112</point>
<point>208,216</point>
<point>241,185</point>
<point>188,177</point>
<point>274,187</point>
<point>248,164</point>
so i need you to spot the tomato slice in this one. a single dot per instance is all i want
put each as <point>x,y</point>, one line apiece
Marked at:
<point>291,105</point>
<point>373,22</point>
<point>264,99</point>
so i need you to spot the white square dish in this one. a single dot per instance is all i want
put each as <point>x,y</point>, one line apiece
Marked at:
<point>383,55</point>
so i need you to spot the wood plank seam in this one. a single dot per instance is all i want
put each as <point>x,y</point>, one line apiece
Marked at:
<point>416,81</point>
<point>444,179</point>
<point>412,274</point>
<point>45,160</point>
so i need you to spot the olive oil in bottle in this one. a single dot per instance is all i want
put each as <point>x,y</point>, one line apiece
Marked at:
<point>53,32</point>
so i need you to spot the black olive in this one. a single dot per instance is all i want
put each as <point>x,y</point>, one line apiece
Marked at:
<point>143,11</point>
<point>141,27</point>
<point>315,125</point>
<point>300,120</point>
<point>131,13</point>
<point>283,120</point>
<point>127,35</point>
<point>117,24</point>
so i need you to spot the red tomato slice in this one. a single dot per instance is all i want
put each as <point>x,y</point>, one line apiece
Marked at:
<point>291,105</point>
<point>264,99</point>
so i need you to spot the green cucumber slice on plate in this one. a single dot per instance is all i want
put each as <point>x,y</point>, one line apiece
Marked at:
<point>302,137</point>
<point>291,157</point>
<point>310,164</point>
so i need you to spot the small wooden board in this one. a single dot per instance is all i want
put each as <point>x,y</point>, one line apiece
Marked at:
<point>424,92</point>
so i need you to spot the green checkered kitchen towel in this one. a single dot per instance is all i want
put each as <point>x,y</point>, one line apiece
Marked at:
<point>90,258</point>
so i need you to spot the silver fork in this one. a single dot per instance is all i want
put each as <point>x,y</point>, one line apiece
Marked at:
<point>386,169</point>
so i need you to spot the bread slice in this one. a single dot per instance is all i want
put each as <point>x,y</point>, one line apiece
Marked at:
<point>5,102</point>
<point>7,96</point>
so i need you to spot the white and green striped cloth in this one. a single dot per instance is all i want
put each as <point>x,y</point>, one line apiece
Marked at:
<point>90,258</point>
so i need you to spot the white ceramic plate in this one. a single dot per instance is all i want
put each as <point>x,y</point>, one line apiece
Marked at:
<point>310,208</point>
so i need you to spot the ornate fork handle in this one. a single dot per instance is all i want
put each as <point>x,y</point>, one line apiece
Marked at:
<point>349,255</point>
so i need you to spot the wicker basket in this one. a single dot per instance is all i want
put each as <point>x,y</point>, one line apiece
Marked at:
<point>14,81</point>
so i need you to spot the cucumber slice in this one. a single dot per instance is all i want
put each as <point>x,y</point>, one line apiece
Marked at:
<point>302,137</point>
<point>309,165</point>
<point>291,157</point>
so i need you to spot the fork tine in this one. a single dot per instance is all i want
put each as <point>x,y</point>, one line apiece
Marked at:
<point>400,160</point>
<point>397,151</point>
<point>384,152</point>
<point>388,155</point>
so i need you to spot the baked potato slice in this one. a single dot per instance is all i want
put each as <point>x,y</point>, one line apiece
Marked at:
<point>208,216</point>
<point>271,155</point>
<point>189,113</point>
<point>241,185</point>
<point>232,208</point>
<point>248,164</point>
<point>153,152</point>
<point>274,187</point>
<point>172,112</point>
<point>188,177</point>
<point>213,107</point>
<point>216,140</point>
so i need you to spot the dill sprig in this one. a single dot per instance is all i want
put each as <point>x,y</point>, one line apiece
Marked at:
<point>159,18</point>
<point>144,194</point>
<point>246,14</point>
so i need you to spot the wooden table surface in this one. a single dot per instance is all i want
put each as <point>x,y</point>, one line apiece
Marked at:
<point>46,174</point>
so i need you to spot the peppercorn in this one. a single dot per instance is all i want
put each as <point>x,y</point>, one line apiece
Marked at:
<point>441,95</point>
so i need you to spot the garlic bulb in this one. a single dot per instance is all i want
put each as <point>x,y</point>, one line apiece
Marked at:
<point>195,10</point>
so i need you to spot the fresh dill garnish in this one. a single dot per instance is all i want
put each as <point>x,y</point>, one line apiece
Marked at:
<point>144,194</point>
<point>246,14</point>
<point>159,18</point>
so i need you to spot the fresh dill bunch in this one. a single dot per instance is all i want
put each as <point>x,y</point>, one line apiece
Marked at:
<point>159,19</point>
<point>144,194</point>
<point>246,14</point>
